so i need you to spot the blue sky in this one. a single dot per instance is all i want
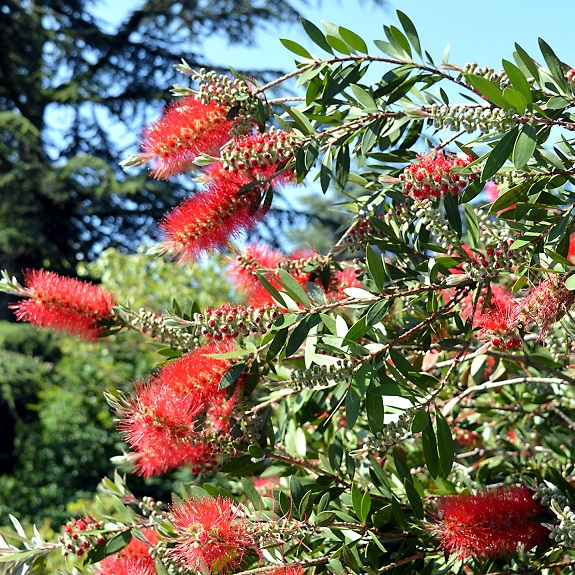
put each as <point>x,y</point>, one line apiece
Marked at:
<point>484,31</point>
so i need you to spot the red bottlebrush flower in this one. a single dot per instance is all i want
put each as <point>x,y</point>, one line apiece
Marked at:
<point>208,219</point>
<point>256,256</point>
<point>497,320</point>
<point>571,252</point>
<point>293,569</point>
<point>134,559</point>
<point>186,130</point>
<point>430,176</point>
<point>544,305</point>
<point>161,424</point>
<point>170,421</point>
<point>212,535</point>
<point>121,566</point>
<point>492,523</point>
<point>64,304</point>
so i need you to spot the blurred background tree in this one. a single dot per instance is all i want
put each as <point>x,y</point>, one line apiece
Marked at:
<point>73,96</point>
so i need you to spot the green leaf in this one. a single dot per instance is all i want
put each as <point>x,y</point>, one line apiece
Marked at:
<point>553,63</point>
<point>356,496</point>
<point>355,394</point>
<point>388,49</point>
<point>232,375</point>
<point>377,312</point>
<point>515,98</point>
<point>293,288</point>
<point>300,333</point>
<point>517,78</point>
<point>430,451</point>
<point>452,213</point>
<point>400,39</point>
<point>375,411</point>
<point>337,44</point>
<point>316,293</point>
<point>300,119</point>
<point>271,289</point>
<point>365,507</point>
<point>510,197</point>
<point>118,542</point>
<point>488,89</point>
<point>296,48</point>
<point>316,35</point>
<point>325,518</point>
<point>524,146</point>
<point>357,330</point>
<point>570,283</point>
<point>499,154</point>
<point>414,499</point>
<point>472,225</point>
<point>420,421</point>
<point>521,56</point>
<point>353,40</point>
<point>370,137</point>
<point>325,171</point>
<point>375,267</point>
<point>251,493</point>
<point>445,445</point>
<point>410,31</point>
<point>558,103</point>
<point>277,344</point>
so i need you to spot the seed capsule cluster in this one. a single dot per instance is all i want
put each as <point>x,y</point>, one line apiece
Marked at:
<point>274,148</point>
<point>318,376</point>
<point>499,78</point>
<point>81,535</point>
<point>226,91</point>
<point>154,325</point>
<point>476,118</point>
<point>392,433</point>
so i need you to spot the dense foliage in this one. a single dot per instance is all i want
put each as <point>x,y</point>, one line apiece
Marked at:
<point>402,402</point>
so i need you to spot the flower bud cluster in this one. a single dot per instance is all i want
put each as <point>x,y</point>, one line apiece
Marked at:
<point>231,321</point>
<point>557,349</point>
<point>431,218</point>
<point>150,507</point>
<point>392,433</point>
<point>482,119</point>
<point>80,535</point>
<point>318,376</point>
<point>274,148</point>
<point>564,532</point>
<point>549,494</point>
<point>282,531</point>
<point>500,78</point>
<point>154,325</point>
<point>570,75</point>
<point>300,265</point>
<point>226,91</point>
<point>496,259</point>
<point>431,177</point>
